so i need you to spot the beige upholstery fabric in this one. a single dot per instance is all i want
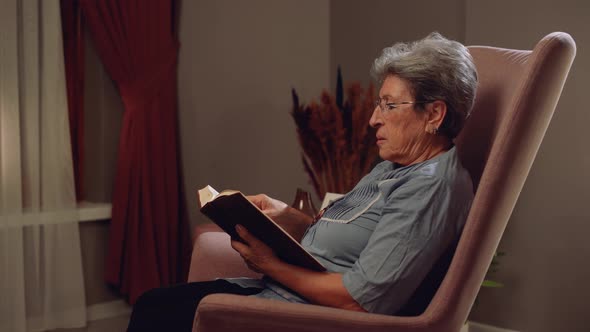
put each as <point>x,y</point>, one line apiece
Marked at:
<point>516,99</point>
<point>213,257</point>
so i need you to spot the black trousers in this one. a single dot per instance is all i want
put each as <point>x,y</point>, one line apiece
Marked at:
<point>173,308</point>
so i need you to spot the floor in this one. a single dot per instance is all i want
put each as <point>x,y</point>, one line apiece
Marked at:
<point>115,324</point>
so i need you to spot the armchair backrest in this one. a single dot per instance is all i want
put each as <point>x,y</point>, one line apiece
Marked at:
<point>517,95</point>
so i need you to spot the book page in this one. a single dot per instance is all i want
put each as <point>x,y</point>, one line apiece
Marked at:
<point>207,194</point>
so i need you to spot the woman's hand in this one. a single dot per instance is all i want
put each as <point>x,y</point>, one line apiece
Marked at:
<point>269,206</point>
<point>290,219</point>
<point>318,287</point>
<point>324,288</point>
<point>257,255</point>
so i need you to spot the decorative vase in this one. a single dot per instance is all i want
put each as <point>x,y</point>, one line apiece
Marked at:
<point>304,203</point>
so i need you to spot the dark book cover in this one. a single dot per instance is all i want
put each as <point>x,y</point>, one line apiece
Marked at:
<point>231,208</point>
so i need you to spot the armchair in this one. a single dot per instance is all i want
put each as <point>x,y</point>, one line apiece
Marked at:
<point>517,95</point>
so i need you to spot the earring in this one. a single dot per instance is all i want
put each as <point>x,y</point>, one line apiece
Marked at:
<point>434,130</point>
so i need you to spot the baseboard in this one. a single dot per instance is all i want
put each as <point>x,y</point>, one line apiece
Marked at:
<point>479,327</point>
<point>107,310</point>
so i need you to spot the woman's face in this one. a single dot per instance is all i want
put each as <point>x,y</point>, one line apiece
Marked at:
<point>401,131</point>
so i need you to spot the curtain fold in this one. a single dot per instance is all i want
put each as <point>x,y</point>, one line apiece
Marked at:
<point>149,241</point>
<point>73,41</point>
<point>12,288</point>
<point>41,283</point>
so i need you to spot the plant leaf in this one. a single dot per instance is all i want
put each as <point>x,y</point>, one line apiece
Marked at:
<point>491,284</point>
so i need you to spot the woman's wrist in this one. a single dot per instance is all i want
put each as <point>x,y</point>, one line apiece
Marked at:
<point>276,269</point>
<point>300,216</point>
<point>294,222</point>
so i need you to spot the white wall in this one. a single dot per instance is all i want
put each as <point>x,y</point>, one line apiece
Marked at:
<point>546,268</point>
<point>238,63</point>
<point>359,30</point>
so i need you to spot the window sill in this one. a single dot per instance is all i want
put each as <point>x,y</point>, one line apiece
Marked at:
<point>84,211</point>
<point>91,211</point>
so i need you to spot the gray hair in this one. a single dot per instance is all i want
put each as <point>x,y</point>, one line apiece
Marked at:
<point>436,68</point>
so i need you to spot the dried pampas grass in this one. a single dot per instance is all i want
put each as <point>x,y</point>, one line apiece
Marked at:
<point>337,143</point>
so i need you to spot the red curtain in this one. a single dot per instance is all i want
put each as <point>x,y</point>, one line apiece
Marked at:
<point>149,241</point>
<point>73,40</point>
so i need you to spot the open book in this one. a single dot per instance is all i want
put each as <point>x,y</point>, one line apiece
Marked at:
<point>230,208</point>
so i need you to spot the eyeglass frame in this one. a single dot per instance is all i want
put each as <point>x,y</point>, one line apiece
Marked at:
<point>379,102</point>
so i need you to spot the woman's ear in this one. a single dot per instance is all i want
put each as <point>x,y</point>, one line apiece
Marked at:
<point>436,113</point>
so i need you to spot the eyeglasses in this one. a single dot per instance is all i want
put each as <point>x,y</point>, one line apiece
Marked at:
<point>386,107</point>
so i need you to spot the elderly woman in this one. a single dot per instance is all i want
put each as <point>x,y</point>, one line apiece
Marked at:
<point>380,240</point>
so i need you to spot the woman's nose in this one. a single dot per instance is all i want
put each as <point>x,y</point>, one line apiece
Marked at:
<point>375,119</point>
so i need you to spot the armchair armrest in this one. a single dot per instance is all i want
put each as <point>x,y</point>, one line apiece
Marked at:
<point>213,257</point>
<point>225,312</point>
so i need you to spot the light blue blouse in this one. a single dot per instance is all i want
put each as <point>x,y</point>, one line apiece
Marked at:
<point>385,235</point>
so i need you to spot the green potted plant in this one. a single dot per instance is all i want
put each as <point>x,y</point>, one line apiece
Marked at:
<point>487,283</point>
